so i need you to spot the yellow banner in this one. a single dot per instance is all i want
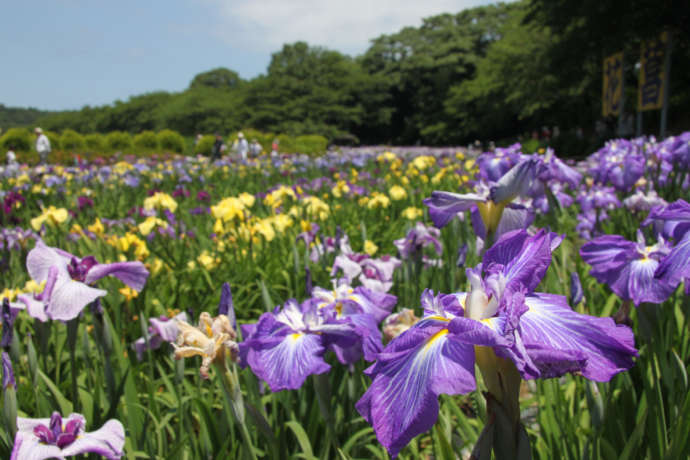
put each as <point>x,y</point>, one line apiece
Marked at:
<point>650,92</point>
<point>613,85</point>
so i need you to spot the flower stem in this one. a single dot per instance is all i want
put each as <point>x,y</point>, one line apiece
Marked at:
<point>72,327</point>
<point>233,396</point>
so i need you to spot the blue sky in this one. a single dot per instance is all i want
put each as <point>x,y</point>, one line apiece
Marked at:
<point>64,54</point>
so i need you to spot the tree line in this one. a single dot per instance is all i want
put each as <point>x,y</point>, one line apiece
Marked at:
<point>490,72</point>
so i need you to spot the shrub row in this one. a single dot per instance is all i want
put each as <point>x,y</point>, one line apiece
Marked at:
<point>166,140</point>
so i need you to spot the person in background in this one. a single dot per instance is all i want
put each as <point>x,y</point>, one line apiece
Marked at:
<point>197,139</point>
<point>274,148</point>
<point>242,146</point>
<point>217,149</point>
<point>12,165</point>
<point>42,145</point>
<point>255,148</point>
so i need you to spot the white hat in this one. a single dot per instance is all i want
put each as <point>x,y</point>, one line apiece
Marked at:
<point>240,135</point>
<point>38,130</point>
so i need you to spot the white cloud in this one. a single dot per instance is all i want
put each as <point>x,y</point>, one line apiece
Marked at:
<point>347,26</point>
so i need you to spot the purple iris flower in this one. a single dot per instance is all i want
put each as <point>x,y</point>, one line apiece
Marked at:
<point>330,244</point>
<point>556,170</point>
<point>131,180</point>
<point>576,292</point>
<point>55,437</point>
<point>350,265</point>
<point>493,210</point>
<point>377,274</point>
<point>627,172</point>
<point>180,192</point>
<point>374,274</point>
<point>672,220</point>
<point>679,146</point>
<point>9,313</point>
<point>287,345</point>
<point>619,162</point>
<point>519,180</point>
<point>16,238</point>
<point>493,165</point>
<point>68,279</point>
<point>462,255</point>
<point>10,202</point>
<point>309,236</point>
<point>641,201</point>
<point>365,309</point>
<point>161,330</point>
<point>513,217</point>
<point>7,372</point>
<point>675,217</point>
<point>598,197</point>
<point>199,210</point>
<point>539,333</point>
<point>418,238</point>
<point>628,267</point>
<point>84,202</point>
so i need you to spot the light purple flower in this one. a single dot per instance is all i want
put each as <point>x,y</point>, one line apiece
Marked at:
<point>377,274</point>
<point>598,197</point>
<point>419,237</point>
<point>161,330</point>
<point>68,279</point>
<point>629,268</point>
<point>556,170</point>
<point>641,201</point>
<point>287,345</point>
<point>364,308</point>
<point>55,437</point>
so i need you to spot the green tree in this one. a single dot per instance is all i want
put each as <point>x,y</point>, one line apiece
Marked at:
<point>513,88</point>
<point>220,78</point>
<point>421,64</point>
<point>307,90</point>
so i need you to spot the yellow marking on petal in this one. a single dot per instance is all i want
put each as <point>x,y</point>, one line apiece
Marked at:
<point>438,318</point>
<point>296,336</point>
<point>434,338</point>
<point>490,213</point>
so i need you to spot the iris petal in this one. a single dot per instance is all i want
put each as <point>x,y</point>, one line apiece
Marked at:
<point>286,362</point>
<point>560,340</point>
<point>415,368</point>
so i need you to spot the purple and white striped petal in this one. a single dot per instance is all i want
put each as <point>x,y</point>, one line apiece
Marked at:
<point>133,274</point>
<point>443,206</point>
<point>108,441</point>
<point>69,298</point>
<point>675,267</point>
<point>285,361</point>
<point>410,373</point>
<point>560,340</point>
<point>522,259</point>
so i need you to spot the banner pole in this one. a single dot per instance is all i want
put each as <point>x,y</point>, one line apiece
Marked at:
<point>667,89</point>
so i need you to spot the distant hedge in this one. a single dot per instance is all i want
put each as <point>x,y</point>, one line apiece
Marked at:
<point>118,140</point>
<point>20,138</point>
<point>94,142</point>
<point>204,146</point>
<point>146,140</point>
<point>170,140</point>
<point>72,140</point>
<point>311,144</point>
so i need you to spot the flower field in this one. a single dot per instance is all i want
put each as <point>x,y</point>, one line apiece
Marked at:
<point>418,303</point>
